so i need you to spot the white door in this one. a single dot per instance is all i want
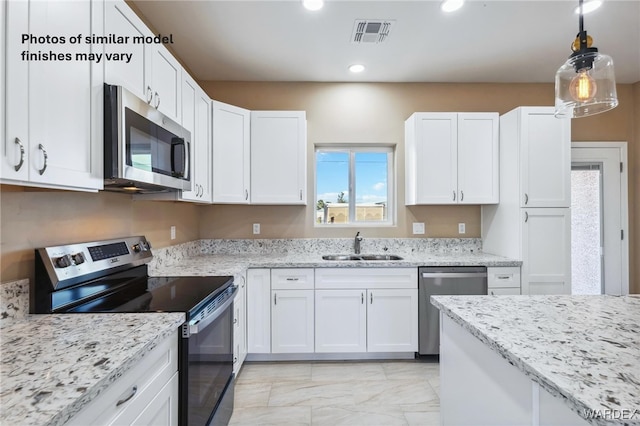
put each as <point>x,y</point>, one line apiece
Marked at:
<point>202,163</point>
<point>392,320</point>
<point>598,236</point>
<point>166,74</point>
<point>546,251</point>
<point>189,87</point>
<point>341,321</point>
<point>292,321</point>
<point>239,327</point>
<point>258,311</point>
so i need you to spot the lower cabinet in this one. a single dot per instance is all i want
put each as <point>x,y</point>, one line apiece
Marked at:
<point>145,394</point>
<point>259,311</point>
<point>240,326</point>
<point>292,321</point>
<point>392,320</point>
<point>503,280</point>
<point>341,321</point>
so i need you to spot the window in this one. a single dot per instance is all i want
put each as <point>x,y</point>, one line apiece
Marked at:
<point>354,186</point>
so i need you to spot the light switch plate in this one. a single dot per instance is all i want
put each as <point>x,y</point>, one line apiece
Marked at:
<point>461,228</point>
<point>256,228</point>
<point>418,228</point>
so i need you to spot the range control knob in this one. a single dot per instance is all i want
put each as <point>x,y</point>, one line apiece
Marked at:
<point>78,258</point>
<point>136,248</point>
<point>146,245</point>
<point>63,262</point>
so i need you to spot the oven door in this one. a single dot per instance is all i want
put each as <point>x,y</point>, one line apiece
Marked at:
<point>206,380</point>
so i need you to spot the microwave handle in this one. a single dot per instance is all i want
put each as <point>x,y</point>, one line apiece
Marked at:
<point>179,143</point>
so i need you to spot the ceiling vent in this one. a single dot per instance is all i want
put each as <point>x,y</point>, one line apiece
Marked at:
<point>371,30</point>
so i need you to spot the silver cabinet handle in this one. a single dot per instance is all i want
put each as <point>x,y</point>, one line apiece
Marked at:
<point>492,293</point>
<point>504,277</point>
<point>292,279</point>
<point>454,274</point>
<point>526,199</point>
<point>301,195</point>
<point>235,359</point>
<point>157,99</point>
<point>461,195</point>
<point>131,394</point>
<point>41,148</point>
<point>246,194</point>
<point>19,165</point>
<point>362,298</point>
<point>275,301</point>
<point>526,217</point>
<point>235,320</point>
<point>149,95</point>
<point>371,298</point>
<point>454,195</point>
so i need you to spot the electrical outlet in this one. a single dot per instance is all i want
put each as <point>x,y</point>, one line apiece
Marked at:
<point>173,232</point>
<point>256,228</point>
<point>418,228</point>
<point>461,228</point>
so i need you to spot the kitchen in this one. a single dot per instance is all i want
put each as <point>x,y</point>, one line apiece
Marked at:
<point>369,112</point>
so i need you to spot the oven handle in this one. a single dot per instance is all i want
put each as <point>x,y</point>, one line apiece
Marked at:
<point>197,326</point>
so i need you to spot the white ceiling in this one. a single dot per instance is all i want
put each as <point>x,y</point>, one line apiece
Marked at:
<point>485,41</point>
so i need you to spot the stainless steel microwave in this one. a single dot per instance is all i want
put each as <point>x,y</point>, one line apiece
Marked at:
<point>144,151</point>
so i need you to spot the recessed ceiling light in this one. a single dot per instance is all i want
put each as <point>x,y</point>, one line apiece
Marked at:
<point>451,5</point>
<point>589,6</point>
<point>356,68</point>
<point>313,4</point>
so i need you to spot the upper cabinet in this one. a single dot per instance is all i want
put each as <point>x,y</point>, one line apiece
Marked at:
<point>153,74</point>
<point>278,157</point>
<point>53,107</point>
<point>452,158</point>
<point>231,154</point>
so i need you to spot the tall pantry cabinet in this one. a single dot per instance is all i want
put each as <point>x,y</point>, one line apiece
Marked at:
<point>532,223</point>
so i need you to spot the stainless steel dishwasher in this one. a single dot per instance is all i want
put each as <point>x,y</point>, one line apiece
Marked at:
<point>453,280</point>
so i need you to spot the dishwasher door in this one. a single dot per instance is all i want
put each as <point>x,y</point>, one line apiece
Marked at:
<point>455,280</point>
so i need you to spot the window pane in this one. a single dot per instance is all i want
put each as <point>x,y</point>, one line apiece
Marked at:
<point>371,186</point>
<point>332,204</point>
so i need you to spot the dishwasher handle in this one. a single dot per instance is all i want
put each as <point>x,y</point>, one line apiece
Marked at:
<point>454,274</point>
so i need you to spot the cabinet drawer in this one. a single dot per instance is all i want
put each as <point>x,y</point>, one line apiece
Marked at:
<point>148,375</point>
<point>292,279</point>
<point>498,277</point>
<point>366,278</point>
<point>504,291</point>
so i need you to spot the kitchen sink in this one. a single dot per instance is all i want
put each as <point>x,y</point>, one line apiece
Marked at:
<point>361,257</point>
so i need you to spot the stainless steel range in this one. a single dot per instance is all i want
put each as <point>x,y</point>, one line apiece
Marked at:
<point>111,276</point>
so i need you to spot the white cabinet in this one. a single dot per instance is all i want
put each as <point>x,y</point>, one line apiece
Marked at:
<point>259,311</point>
<point>531,223</point>
<point>145,394</point>
<point>231,154</point>
<point>503,280</point>
<point>153,74</point>
<point>53,107</point>
<point>196,118</point>
<point>546,251</point>
<point>366,310</point>
<point>278,157</point>
<point>292,310</point>
<point>240,326</point>
<point>451,158</point>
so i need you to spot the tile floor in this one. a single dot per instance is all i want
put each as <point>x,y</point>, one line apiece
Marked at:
<point>338,393</point>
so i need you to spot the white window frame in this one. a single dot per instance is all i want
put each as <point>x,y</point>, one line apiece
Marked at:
<point>352,149</point>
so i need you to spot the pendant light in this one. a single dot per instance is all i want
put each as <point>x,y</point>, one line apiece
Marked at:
<point>585,84</point>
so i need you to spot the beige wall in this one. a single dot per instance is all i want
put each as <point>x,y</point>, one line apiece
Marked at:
<point>375,113</point>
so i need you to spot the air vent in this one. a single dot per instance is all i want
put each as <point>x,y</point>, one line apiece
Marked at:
<point>371,30</point>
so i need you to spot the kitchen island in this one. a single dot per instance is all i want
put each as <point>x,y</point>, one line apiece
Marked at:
<point>564,360</point>
<point>52,366</point>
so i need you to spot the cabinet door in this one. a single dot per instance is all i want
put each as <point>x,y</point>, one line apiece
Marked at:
<point>292,316</point>
<point>65,98</point>
<point>231,150</point>
<point>478,158</point>
<point>189,123</point>
<point>278,157</point>
<point>166,77</point>
<point>341,321</point>
<point>435,152</point>
<point>546,251</point>
<point>392,320</point>
<point>136,74</point>
<point>239,327</point>
<point>545,159</point>
<point>163,409</point>
<point>258,311</point>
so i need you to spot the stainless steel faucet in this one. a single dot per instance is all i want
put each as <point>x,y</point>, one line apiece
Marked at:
<point>356,243</point>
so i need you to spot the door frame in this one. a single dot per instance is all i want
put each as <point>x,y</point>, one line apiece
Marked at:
<point>624,203</point>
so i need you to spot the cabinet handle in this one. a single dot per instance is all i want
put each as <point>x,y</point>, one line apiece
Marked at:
<point>275,301</point>
<point>246,194</point>
<point>149,95</point>
<point>292,279</point>
<point>301,195</point>
<point>362,298</point>
<point>526,198</point>
<point>371,298</point>
<point>454,195</point>
<point>157,99</point>
<point>461,195</point>
<point>133,392</point>
<point>235,359</point>
<point>19,165</point>
<point>526,217</point>
<point>504,277</point>
<point>235,320</point>
<point>41,148</point>
<point>492,293</point>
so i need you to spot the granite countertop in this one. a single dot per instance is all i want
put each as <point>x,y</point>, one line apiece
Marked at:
<point>233,264</point>
<point>53,365</point>
<point>583,349</point>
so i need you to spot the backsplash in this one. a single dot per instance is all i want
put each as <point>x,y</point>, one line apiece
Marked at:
<point>173,254</point>
<point>14,299</point>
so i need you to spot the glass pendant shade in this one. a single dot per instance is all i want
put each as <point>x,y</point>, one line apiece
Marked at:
<point>587,91</point>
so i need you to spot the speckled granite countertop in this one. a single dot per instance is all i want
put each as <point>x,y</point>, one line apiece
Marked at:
<point>583,349</point>
<point>53,365</point>
<point>232,264</point>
